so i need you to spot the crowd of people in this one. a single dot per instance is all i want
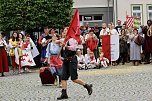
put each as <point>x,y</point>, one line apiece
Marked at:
<point>89,52</point>
<point>19,50</point>
<point>66,57</point>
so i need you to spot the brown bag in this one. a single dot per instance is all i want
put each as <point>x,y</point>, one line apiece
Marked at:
<point>139,40</point>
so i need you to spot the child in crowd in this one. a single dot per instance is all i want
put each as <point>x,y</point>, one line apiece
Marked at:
<point>102,61</point>
<point>90,60</point>
<point>26,59</point>
<point>81,60</point>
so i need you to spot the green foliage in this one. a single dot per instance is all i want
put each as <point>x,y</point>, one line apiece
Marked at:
<point>34,14</point>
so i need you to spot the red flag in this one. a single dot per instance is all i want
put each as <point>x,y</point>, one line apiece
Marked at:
<point>74,31</point>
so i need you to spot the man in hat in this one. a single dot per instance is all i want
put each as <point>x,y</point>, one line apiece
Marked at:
<point>147,30</point>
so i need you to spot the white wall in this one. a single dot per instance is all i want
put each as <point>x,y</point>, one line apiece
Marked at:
<point>91,3</point>
<point>124,6</point>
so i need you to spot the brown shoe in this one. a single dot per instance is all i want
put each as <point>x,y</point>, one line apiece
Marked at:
<point>89,88</point>
<point>63,95</point>
<point>133,63</point>
<point>136,63</point>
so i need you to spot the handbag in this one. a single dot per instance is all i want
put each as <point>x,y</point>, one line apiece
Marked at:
<point>139,40</point>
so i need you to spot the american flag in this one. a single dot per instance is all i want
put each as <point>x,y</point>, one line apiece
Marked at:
<point>129,21</point>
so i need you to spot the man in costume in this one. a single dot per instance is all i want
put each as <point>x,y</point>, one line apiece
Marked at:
<point>147,31</point>
<point>70,68</point>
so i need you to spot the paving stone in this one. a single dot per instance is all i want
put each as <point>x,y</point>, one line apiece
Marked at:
<point>121,83</point>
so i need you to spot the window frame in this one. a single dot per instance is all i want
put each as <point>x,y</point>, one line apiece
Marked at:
<point>148,11</point>
<point>137,11</point>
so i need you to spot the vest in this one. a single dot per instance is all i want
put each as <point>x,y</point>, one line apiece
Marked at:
<point>69,53</point>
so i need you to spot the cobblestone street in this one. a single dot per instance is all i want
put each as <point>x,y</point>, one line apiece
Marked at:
<point>121,83</point>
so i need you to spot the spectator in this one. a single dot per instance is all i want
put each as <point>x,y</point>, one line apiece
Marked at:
<point>13,43</point>
<point>43,42</point>
<point>27,59</point>
<point>97,30</point>
<point>3,56</point>
<point>105,30</point>
<point>119,26</point>
<point>90,59</point>
<point>92,43</point>
<point>123,47</point>
<point>134,48</point>
<point>102,61</point>
<point>83,35</point>
<point>81,60</point>
<point>147,31</point>
<point>112,31</point>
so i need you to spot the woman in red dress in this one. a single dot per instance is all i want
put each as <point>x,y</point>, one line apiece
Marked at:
<point>3,56</point>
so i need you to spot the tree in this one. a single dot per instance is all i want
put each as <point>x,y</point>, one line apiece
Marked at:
<point>34,14</point>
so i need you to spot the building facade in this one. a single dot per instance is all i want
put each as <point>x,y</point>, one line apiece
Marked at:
<point>139,8</point>
<point>98,11</point>
<point>94,11</point>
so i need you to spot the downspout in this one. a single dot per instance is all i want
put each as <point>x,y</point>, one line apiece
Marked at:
<point>116,10</point>
<point>113,12</point>
<point>108,11</point>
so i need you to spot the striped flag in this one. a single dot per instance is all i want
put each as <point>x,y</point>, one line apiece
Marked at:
<point>129,21</point>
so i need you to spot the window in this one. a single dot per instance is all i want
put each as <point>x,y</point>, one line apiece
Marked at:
<point>137,11</point>
<point>93,17</point>
<point>149,10</point>
<point>98,17</point>
<point>87,18</point>
<point>80,17</point>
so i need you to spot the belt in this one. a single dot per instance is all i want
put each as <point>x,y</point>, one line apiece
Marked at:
<point>54,54</point>
<point>69,58</point>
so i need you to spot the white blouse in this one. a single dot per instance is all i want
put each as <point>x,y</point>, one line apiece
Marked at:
<point>3,43</point>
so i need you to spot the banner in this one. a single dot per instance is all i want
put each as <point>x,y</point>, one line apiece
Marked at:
<point>110,46</point>
<point>137,22</point>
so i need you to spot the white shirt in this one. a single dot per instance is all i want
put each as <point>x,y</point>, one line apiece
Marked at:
<point>113,32</point>
<point>104,31</point>
<point>87,36</point>
<point>3,43</point>
<point>80,59</point>
<point>73,44</point>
